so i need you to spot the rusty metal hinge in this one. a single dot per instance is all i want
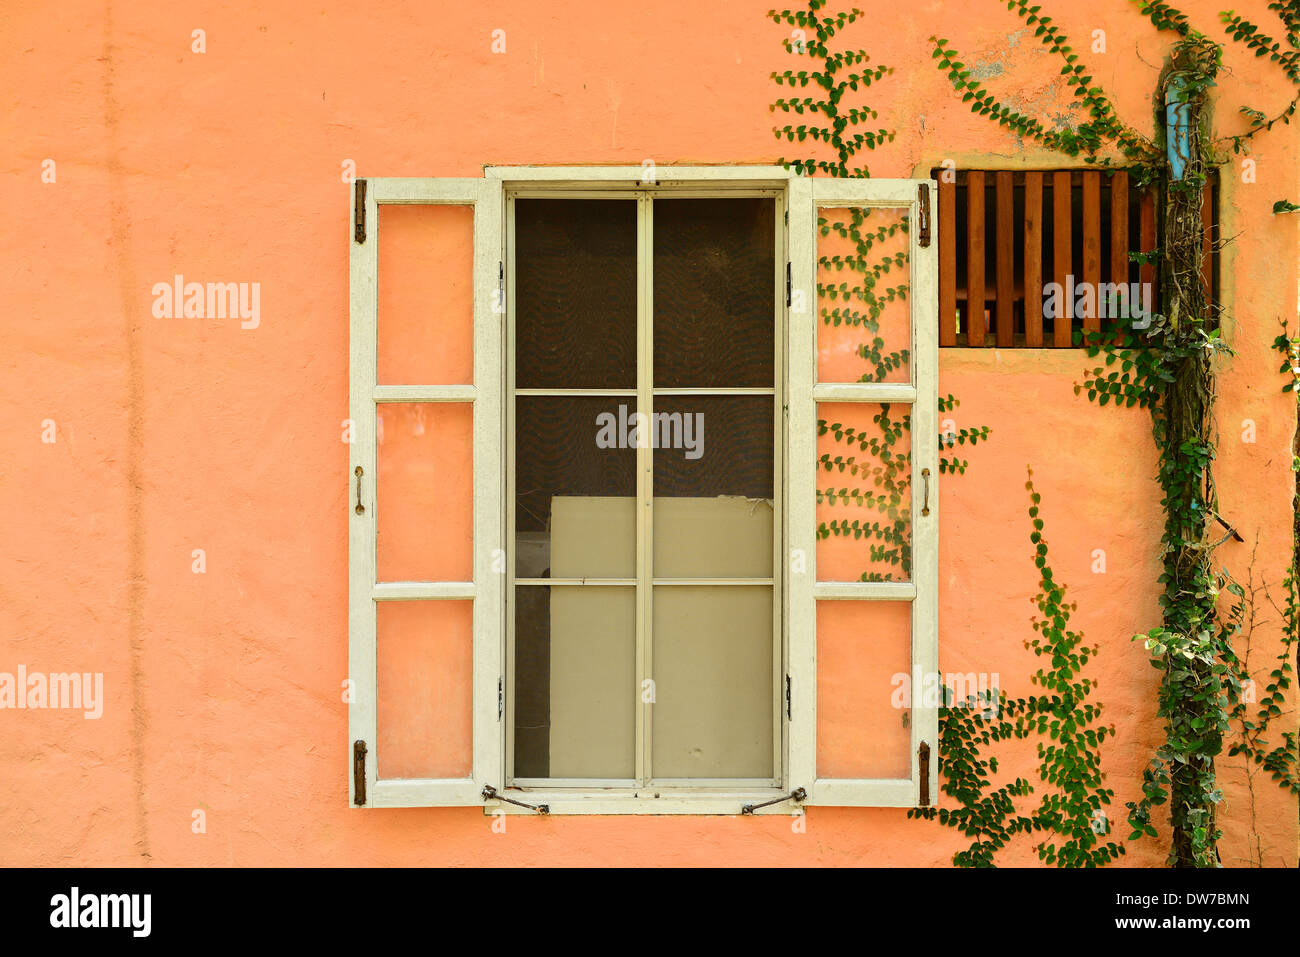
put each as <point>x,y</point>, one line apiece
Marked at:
<point>789,284</point>
<point>359,772</point>
<point>788,713</point>
<point>797,795</point>
<point>924,237</point>
<point>501,696</point>
<point>923,760</point>
<point>359,211</point>
<point>490,792</point>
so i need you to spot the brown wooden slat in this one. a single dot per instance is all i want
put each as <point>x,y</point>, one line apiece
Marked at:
<point>1092,244</point>
<point>975,258</point>
<point>947,262</point>
<point>1034,260</point>
<point>1119,234</point>
<point>1147,242</point>
<point>1006,259</point>
<point>1062,251</point>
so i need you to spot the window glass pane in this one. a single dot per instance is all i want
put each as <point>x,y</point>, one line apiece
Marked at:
<point>714,292</point>
<point>864,332</point>
<point>575,686</point>
<point>714,705</point>
<point>575,681</point>
<point>864,687</point>
<point>425,323</point>
<point>424,493</point>
<point>575,488</point>
<point>713,445</point>
<point>864,492</point>
<point>425,669</point>
<point>575,295</point>
<point>713,482</point>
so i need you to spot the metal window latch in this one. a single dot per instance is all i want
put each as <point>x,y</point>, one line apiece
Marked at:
<point>359,772</point>
<point>923,762</point>
<point>490,792</point>
<point>797,795</point>
<point>359,211</point>
<point>924,237</point>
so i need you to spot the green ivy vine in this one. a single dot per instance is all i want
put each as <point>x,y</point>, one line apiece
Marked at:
<point>1066,727</point>
<point>876,461</point>
<point>1166,369</point>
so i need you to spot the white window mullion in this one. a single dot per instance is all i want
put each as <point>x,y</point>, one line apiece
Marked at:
<point>487,587</point>
<point>364,286</point>
<point>489,504</point>
<point>801,489</point>
<point>924,299</point>
<point>780,571</point>
<point>509,404</point>
<point>645,489</point>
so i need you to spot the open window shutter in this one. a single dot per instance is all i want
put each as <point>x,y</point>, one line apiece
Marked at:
<point>863,474</point>
<point>425,600</point>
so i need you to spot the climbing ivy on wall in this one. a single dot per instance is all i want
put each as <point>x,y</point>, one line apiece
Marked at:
<point>1169,370</point>
<point>877,461</point>
<point>1280,761</point>
<point>1066,727</point>
<point>1166,369</point>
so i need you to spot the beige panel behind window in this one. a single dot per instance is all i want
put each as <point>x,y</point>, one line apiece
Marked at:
<point>593,682</point>
<point>592,641</point>
<point>592,534</point>
<point>712,645</point>
<point>713,682</point>
<point>727,536</point>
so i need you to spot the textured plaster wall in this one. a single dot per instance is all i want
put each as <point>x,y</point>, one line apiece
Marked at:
<point>223,689</point>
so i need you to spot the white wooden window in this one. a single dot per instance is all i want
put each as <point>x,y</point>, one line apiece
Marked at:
<point>367,593</point>
<point>800,595</point>
<point>811,201</point>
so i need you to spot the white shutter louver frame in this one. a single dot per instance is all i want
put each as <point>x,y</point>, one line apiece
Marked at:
<point>807,196</point>
<point>487,588</point>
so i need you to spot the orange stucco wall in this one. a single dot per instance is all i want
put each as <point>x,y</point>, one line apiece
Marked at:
<point>223,689</point>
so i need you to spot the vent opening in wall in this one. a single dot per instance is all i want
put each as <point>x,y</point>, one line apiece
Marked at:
<point>1029,258</point>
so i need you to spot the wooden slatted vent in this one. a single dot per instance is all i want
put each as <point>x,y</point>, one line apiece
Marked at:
<point>1028,259</point>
